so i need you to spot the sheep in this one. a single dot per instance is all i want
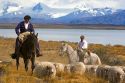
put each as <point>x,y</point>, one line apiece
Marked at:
<point>75,68</point>
<point>67,68</point>
<point>123,67</point>
<point>91,69</point>
<point>23,36</point>
<point>44,69</point>
<point>1,61</point>
<point>59,67</point>
<point>116,75</point>
<point>102,71</point>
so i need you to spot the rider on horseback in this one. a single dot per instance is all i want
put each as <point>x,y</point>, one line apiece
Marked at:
<point>24,26</point>
<point>83,44</point>
<point>82,47</point>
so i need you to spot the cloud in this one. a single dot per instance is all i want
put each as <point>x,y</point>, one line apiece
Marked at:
<point>118,4</point>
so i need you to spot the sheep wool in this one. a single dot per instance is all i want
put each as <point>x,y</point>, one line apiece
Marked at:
<point>76,68</point>
<point>59,67</point>
<point>44,69</point>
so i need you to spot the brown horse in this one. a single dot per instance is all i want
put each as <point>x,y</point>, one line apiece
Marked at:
<point>28,51</point>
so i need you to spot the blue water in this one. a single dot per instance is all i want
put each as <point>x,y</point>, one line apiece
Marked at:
<point>92,36</point>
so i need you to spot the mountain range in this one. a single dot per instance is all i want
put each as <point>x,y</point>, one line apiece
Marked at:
<point>41,13</point>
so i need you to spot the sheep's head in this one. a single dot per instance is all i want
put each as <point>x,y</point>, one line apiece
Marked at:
<point>56,66</point>
<point>123,77</point>
<point>73,69</point>
<point>67,68</point>
<point>37,63</point>
<point>49,70</point>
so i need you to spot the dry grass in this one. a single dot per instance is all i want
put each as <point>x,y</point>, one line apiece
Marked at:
<point>111,55</point>
<point>50,52</point>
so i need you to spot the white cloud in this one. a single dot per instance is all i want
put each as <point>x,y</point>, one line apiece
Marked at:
<point>12,9</point>
<point>72,3</point>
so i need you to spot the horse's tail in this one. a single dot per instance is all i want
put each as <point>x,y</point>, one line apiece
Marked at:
<point>99,61</point>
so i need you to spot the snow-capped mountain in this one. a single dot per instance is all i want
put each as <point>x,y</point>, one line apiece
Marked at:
<point>89,12</point>
<point>116,18</point>
<point>85,12</point>
<point>42,13</point>
<point>85,8</point>
<point>37,11</point>
<point>38,8</point>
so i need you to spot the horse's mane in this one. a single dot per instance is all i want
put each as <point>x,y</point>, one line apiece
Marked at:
<point>72,54</point>
<point>70,47</point>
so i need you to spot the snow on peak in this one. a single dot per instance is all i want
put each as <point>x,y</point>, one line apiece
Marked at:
<point>57,15</point>
<point>38,7</point>
<point>82,7</point>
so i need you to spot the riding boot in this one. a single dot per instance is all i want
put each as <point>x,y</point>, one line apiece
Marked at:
<point>17,48</point>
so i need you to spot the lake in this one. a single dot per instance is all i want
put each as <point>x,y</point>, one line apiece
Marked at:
<point>92,36</point>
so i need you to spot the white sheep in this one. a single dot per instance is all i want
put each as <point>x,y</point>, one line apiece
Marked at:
<point>116,75</point>
<point>67,68</point>
<point>123,67</point>
<point>1,61</point>
<point>75,68</point>
<point>44,69</point>
<point>91,69</point>
<point>102,71</point>
<point>23,36</point>
<point>59,67</point>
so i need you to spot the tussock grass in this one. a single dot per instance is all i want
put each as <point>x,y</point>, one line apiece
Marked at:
<point>50,53</point>
<point>110,54</point>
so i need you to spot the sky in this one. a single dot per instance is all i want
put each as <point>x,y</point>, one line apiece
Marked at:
<point>118,4</point>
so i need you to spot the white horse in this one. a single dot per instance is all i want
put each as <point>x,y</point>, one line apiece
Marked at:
<point>72,54</point>
<point>91,59</point>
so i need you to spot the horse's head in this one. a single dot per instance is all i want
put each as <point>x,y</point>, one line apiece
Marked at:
<point>63,49</point>
<point>33,37</point>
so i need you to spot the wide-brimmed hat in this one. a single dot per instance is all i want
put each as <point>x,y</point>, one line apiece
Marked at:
<point>27,17</point>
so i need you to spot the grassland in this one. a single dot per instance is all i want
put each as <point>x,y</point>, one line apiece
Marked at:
<point>112,55</point>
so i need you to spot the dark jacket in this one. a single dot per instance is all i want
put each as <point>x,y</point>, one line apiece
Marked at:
<point>21,28</point>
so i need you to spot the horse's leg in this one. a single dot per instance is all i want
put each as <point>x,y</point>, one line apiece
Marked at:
<point>33,62</point>
<point>26,61</point>
<point>17,62</point>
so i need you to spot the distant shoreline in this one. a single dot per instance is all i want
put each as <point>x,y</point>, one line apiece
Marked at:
<point>68,26</point>
<point>9,38</point>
